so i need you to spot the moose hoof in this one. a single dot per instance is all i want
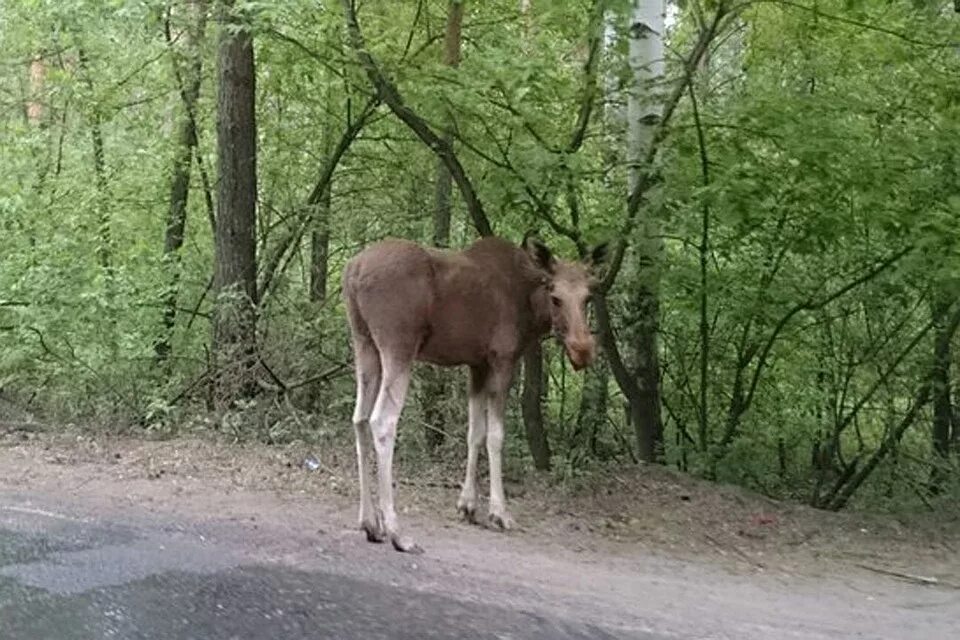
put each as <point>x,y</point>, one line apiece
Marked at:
<point>467,509</point>
<point>500,520</point>
<point>404,544</point>
<point>374,530</point>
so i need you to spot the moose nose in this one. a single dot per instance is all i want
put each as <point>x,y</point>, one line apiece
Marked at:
<point>581,353</point>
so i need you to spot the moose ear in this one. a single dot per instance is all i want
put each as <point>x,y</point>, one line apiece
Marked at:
<point>538,252</point>
<point>598,256</point>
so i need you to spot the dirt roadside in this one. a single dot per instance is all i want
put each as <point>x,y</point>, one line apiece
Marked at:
<point>646,547</point>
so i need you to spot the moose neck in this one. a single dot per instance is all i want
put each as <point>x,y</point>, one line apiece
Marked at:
<point>538,297</point>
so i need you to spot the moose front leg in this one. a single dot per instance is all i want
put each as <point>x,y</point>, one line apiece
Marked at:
<point>496,405</point>
<point>476,434</point>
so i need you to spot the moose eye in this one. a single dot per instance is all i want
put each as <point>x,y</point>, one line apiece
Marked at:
<point>555,300</point>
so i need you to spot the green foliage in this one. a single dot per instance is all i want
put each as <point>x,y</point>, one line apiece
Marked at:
<point>831,137</point>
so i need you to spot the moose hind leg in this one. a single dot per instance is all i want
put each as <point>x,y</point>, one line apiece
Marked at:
<point>368,375</point>
<point>383,423</point>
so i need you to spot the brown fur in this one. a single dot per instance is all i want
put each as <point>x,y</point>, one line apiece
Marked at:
<point>481,307</point>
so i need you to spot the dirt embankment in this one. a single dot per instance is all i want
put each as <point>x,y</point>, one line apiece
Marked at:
<point>641,508</point>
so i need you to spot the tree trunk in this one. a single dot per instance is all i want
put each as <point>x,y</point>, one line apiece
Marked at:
<point>320,249</point>
<point>532,406</point>
<point>444,187</point>
<point>235,275</point>
<point>320,233</point>
<point>434,381</point>
<point>644,112</point>
<point>592,415</point>
<point>534,383</point>
<point>104,246</point>
<point>189,76</point>
<point>942,404</point>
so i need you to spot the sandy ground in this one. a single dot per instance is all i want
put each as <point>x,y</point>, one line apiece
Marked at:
<point>645,550</point>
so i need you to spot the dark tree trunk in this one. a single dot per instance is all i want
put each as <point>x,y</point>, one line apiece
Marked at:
<point>532,406</point>
<point>645,403</point>
<point>104,248</point>
<point>442,210</point>
<point>188,79</point>
<point>235,275</point>
<point>320,232</point>
<point>104,251</point>
<point>637,399</point>
<point>444,185</point>
<point>435,387</point>
<point>942,404</point>
<point>534,384</point>
<point>320,249</point>
<point>592,415</point>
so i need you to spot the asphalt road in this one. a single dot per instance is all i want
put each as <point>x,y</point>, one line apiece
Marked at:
<point>68,578</point>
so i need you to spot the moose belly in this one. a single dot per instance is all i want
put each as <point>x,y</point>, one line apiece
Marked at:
<point>452,346</point>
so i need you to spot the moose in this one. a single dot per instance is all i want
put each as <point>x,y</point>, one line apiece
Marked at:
<point>482,307</point>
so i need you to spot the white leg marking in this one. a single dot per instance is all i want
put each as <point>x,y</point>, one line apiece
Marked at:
<point>383,422</point>
<point>495,410</point>
<point>476,433</point>
<point>368,385</point>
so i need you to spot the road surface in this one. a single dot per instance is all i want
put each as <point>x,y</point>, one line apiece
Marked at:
<point>68,576</point>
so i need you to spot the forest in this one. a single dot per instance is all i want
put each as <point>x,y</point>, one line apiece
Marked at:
<point>182,181</point>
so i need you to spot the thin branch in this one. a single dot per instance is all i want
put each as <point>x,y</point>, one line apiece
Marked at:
<point>390,94</point>
<point>609,341</point>
<point>318,57</point>
<point>807,305</point>
<point>326,376</point>
<point>323,181</point>
<point>704,250</point>
<point>811,305</point>
<point>413,30</point>
<point>882,379</point>
<point>856,23</point>
<point>589,89</point>
<point>909,577</point>
<point>83,364</point>
<point>196,308</point>
<point>841,493</point>
<point>207,190</point>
